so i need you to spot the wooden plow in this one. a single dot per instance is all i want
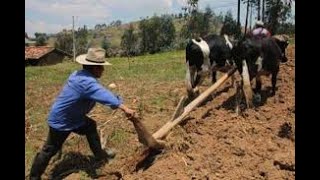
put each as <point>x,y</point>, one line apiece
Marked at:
<point>155,141</point>
<point>163,131</point>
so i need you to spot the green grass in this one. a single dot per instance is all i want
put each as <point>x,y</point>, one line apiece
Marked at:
<point>49,74</point>
<point>141,77</point>
<point>118,136</point>
<point>159,67</point>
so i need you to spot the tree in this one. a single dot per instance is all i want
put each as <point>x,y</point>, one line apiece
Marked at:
<point>286,28</point>
<point>156,33</point>
<point>129,41</point>
<point>143,35</point>
<point>206,21</point>
<point>81,37</point>
<point>97,26</point>
<point>116,23</point>
<point>192,5</point>
<point>230,26</point>
<point>41,41</point>
<point>41,38</point>
<point>148,35</point>
<point>167,32</point>
<point>199,24</point>
<point>64,41</point>
<point>105,44</point>
<point>190,13</point>
<point>277,12</point>
<point>37,34</point>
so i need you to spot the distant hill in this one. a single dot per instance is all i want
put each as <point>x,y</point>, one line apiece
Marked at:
<point>114,33</point>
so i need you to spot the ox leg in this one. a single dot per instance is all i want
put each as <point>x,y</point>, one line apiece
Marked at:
<point>283,55</point>
<point>190,78</point>
<point>233,80</point>
<point>284,58</point>
<point>257,96</point>
<point>258,84</point>
<point>274,82</point>
<point>214,77</point>
<point>198,79</point>
<point>237,87</point>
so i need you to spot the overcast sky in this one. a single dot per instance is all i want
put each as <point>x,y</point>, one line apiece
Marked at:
<point>51,16</point>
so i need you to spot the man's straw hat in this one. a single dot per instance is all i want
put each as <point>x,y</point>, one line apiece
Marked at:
<point>95,56</point>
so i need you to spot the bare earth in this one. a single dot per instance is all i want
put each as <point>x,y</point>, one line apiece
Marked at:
<point>213,143</point>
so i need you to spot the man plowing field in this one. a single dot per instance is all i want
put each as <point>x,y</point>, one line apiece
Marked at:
<point>68,113</point>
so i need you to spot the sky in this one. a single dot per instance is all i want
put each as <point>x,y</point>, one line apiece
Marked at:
<point>52,16</point>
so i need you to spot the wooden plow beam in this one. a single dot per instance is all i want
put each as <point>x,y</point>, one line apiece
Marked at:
<point>163,131</point>
<point>144,136</point>
<point>246,84</point>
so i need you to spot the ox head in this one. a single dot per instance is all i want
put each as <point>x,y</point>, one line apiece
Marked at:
<point>248,49</point>
<point>283,42</point>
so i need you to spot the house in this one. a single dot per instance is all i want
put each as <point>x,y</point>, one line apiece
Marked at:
<point>43,55</point>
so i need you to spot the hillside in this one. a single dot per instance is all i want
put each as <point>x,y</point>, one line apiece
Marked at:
<point>114,33</point>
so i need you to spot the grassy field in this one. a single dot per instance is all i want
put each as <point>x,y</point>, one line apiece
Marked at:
<point>143,78</point>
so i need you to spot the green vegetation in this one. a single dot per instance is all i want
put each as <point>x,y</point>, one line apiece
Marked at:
<point>118,136</point>
<point>53,74</point>
<point>138,76</point>
<point>166,66</point>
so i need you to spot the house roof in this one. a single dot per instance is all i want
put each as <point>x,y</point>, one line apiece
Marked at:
<point>36,52</point>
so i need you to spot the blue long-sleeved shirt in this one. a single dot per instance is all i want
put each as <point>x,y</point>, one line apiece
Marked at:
<point>78,96</point>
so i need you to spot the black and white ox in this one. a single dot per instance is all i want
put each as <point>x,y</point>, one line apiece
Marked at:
<point>263,57</point>
<point>205,56</point>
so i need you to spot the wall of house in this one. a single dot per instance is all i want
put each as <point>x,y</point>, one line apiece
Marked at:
<point>52,58</point>
<point>31,62</point>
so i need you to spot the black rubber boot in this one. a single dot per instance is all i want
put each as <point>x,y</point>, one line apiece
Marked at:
<point>41,162</point>
<point>95,146</point>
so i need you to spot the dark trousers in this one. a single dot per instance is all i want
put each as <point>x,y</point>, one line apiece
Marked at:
<point>54,144</point>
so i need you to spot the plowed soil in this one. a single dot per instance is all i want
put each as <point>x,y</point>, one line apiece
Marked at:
<point>213,142</point>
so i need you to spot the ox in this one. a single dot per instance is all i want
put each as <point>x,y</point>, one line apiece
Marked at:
<point>262,57</point>
<point>204,57</point>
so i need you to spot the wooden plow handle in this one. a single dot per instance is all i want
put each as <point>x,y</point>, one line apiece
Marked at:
<point>163,131</point>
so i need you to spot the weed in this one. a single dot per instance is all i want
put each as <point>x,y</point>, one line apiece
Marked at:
<point>118,136</point>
